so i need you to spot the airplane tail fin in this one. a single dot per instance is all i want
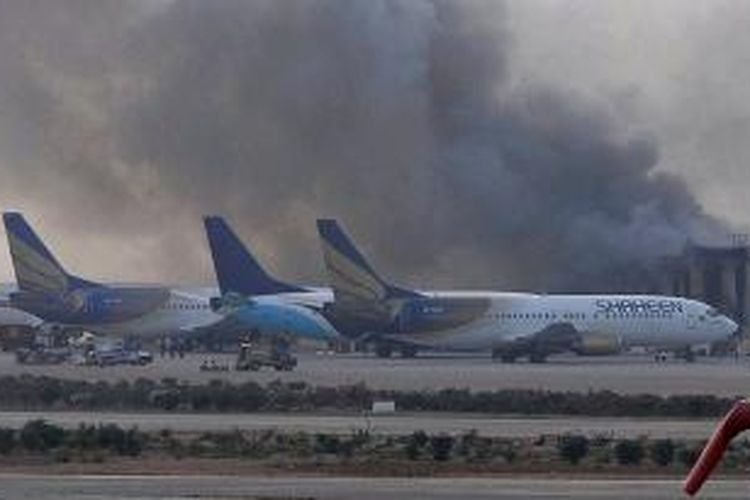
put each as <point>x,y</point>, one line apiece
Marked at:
<point>37,270</point>
<point>352,278</point>
<point>236,269</point>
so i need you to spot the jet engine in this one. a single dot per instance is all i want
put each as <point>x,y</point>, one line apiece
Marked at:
<point>597,344</point>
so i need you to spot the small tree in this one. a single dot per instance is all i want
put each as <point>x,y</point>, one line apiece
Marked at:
<point>327,444</point>
<point>415,443</point>
<point>38,435</point>
<point>441,447</point>
<point>688,455</point>
<point>573,447</point>
<point>7,440</point>
<point>662,452</point>
<point>629,452</point>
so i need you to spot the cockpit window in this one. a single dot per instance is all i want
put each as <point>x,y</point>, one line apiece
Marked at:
<point>711,312</point>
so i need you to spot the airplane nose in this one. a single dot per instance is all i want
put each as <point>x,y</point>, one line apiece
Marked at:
<point>327,331</point>
<point>316,326</point>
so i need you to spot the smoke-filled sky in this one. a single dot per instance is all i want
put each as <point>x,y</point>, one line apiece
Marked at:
<point>549,145</point>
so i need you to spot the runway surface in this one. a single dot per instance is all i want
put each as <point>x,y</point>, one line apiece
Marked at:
<point>390,424</point>
<point>148,487</point>
<point>624,374</point>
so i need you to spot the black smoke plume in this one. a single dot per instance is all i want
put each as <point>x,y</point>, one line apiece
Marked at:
<point>398,117</point>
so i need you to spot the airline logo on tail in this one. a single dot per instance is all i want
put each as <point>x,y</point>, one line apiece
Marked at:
<point>352,278</point>
<point>358,290</point>
<point>37,270</point>
<point>35,267</point>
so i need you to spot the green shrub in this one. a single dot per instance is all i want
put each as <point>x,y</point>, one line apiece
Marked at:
<point>507,451</point>
<point>415,443</point>
<point>26,392</point>
<point>38,435</point>
<point>441,447</point>
<point>326,444</point>
<point>629,452</point>
<point>688,455</point>
<point>573,447</point>
<point>7,440</point>
<point>84,437</point>
<point>662,452</point>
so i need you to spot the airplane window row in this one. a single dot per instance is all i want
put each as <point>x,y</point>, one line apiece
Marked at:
<point>181,306</point>
<point>541,316</point>
<point>580,316</point>
<point>634,316</point>
<point>574,316</point>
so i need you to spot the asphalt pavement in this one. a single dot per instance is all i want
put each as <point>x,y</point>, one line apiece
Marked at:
<point>397,424</point>
<point>624,374</point>
<point>333,488</point>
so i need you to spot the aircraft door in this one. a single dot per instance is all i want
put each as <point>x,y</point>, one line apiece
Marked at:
<point>691,321</point>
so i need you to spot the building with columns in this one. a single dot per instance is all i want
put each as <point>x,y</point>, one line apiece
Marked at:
<point>715,275</point>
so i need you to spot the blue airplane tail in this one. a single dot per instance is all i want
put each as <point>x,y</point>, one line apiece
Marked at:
<point>236,269</point>
<point>37,270</point>
<point>352,278</point>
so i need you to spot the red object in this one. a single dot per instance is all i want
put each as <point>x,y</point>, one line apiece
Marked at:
<point>736,421</point>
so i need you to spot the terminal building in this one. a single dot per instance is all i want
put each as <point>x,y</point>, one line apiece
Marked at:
<point>715,275</point>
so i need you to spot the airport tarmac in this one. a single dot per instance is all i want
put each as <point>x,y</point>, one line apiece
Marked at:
<point>387,424</point>
<point>624,374</point>
<point>296,487</point>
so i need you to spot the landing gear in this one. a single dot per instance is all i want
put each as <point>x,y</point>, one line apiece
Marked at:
<point>660,357</point>
<point>537,357</point>
<point>688,355</point>
<point>383,350</point>
<point>409,352</point>
<point>504,355</point>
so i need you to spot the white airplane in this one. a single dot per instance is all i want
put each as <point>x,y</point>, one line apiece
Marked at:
<point>509,324</point>
<point>46,291</point>
<point>10,317</point>
<point>255,301</point>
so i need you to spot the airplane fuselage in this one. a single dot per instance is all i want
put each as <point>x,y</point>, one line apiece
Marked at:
<point>487,320</point>
<point>180,312</point>
<point>142,311</point>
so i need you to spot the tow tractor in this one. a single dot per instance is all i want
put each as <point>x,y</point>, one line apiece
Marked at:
<point>253,356</point>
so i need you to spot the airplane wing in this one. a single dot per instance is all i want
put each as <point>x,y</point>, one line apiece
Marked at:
<point>554,338</point>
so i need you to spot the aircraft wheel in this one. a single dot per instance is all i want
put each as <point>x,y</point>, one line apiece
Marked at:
<point>660,357</point>
<point>537,357</point>
<point>409,352</point>
<point>383,351</point>
<point>503,355</point>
